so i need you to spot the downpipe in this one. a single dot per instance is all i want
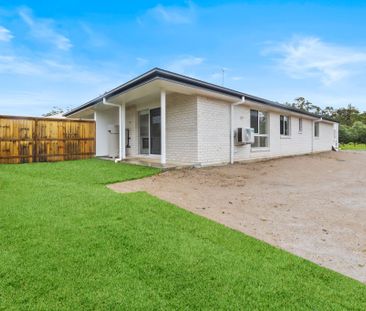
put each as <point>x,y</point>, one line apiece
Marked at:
<point>242,101</point>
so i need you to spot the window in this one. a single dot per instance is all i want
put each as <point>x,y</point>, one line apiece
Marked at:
<point>259,122</point>
<point>285,125</point>
<point>316,129</point>
<point>300,125</point>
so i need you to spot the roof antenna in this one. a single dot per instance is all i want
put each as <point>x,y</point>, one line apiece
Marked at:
<point>223,76</point>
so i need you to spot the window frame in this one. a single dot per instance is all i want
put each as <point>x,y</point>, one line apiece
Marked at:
<point>282,126</point>
<point>300,125</point>
<point>316,129</point>
<point>258,127</point>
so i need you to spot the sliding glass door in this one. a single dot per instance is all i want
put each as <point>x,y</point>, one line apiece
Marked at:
<point>144,143</point>
<point>155,134</point>
<point>150,131</point>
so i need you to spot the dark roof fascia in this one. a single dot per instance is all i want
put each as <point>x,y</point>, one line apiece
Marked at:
<point>157,73</point>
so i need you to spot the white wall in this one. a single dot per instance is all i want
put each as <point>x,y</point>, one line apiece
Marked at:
<point>132,125</point>
<point>296,143</point>
<point>213,122</point>
<point>326,137</point>
<point>181,129</point>
<point>198,131</point>
<point>103,119</point>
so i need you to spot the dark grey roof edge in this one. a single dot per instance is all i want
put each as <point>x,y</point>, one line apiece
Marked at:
<point>168,75</point>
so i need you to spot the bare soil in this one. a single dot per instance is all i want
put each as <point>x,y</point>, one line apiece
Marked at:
<point>313,206</point>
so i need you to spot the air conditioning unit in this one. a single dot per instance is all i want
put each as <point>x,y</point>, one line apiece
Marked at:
<point>244,136</point>
<point>248,136</point>
<point>238,136</point>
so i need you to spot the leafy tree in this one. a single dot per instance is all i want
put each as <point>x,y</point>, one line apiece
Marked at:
<point>328,112</point>
<point>55,111</point>
<point>359,132</point>
<point>347,116</point>
<point>303,104</point>
<point>352,122</point>
<point>345,134</point>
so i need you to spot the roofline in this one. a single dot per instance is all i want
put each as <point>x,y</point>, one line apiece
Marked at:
<point>157,73</point>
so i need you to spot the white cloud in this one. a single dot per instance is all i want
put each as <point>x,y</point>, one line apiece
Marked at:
<point>141,62</point>
<point>5,34</point>
<point>180,65</point>
<point>47,69</point>
<point>310,57</point>
<point>13,65</point>
<point>172,14</point>
<point>44,29</point>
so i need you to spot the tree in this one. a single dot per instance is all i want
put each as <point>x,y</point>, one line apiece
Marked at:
<point>302,104</point>
<point>359,132</point>
<point>347,116</point>
<point>56,110</point>
<point>328,112</point>
<point>345,134</point>
<point>352,127</point>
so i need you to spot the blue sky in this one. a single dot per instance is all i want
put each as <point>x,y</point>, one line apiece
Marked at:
<point>63,53</point>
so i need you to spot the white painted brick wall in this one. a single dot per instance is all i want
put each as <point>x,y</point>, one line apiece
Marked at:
<point>181,128</point>
<point>132,125</point>
<point>198,131</point>
<point>326,137</point>
<point>296,143</point>
<point>213,121</point>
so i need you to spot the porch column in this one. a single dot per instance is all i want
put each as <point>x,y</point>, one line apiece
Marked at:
<point>122,131</point>
<point>163,126</point>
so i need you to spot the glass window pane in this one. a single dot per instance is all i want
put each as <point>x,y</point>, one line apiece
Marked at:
<point>316,129</point>
<point>287,126</point>
<point>256,142</point>
<point>262,122</point>
<point>254,120</point>
<point>300,125</point>
<point>263,141</point>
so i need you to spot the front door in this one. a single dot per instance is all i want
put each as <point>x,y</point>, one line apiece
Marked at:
<point>155,134</point>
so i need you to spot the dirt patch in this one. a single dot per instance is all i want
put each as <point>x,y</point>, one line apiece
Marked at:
<point>313,206</point>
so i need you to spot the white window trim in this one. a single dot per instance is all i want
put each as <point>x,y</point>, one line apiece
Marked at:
<point>267,148</point>
<point>260,149</point>
<point>317,137</point>
<point>283,136</point>
<point>302,125</point>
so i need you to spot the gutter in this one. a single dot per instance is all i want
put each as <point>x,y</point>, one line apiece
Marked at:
<point>242,101</point>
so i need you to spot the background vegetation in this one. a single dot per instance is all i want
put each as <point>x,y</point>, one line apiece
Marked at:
<point>352,128</point>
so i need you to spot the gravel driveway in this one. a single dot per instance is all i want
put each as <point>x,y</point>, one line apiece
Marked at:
<point>313,206</point>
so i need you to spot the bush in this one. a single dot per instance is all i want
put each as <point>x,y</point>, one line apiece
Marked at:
<point>353,134</point>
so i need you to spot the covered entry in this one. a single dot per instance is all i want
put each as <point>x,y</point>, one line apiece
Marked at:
<point>150,131</point>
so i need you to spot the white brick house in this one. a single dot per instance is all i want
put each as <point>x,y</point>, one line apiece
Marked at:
<point>177,119</point>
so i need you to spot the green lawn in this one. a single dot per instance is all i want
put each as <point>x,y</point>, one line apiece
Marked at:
<point>69,243</point>
<point>352,146</point>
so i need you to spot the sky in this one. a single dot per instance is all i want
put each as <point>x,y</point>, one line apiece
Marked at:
<point>64,53</point>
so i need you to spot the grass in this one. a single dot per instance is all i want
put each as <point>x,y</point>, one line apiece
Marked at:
<point>69,243</point>
<point>352,146</point>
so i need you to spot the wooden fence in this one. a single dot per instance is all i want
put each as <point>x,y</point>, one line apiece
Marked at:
<point>26,139</point>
